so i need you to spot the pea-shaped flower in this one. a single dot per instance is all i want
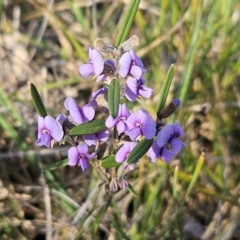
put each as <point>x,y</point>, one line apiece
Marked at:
<point>130,65</point>
<point>79,115</point>
<point>79,156</point>
<point>140,124</point>
<point>135,88</point>
<point>48,129</point>
<point>167,143</point>
<point>120,120</point>
<point>94,66</point>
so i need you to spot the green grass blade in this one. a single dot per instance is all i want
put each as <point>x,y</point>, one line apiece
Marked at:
<point>175,181</point>
<point>195,174</point>
<point>56,165</point>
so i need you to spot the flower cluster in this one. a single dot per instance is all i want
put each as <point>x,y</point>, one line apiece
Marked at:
<point>126,129</point>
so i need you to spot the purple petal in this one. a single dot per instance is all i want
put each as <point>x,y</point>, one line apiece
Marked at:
<point>178,132</point>
<point>134,133</point>
<point>88,113</point>
<point>110,122</point>
<point>153,152</point>
<point>113,185</point>
<point>149,128</point>
<point>177,102</point>
<point>132,84</point>
<point>125,111</point>
<point>136,71</point>
<point>70,104</point>
<point>73,155</point>
<point>123,152</point>
<point>90,139</point>
<point>82,148</point>
<point>97,62</point>
<point>136,59</point>
<point>60,119</point>
<point>166,155</point>
<point>133,118</point>
<point>145,92</point>
<point>46,140</point>
<point>121,127</point>
<point>84,163</point>
<point>176,145</point>
<point>79,115</point>
<point>101,77</point>
<point>111,62</point>
<point>103,135</point>
<point>130,95</point>
<point>41,126</point>
<point>86,70</point>
<point>125,63</point>
<point>54,128</point>
<point>165,134</point>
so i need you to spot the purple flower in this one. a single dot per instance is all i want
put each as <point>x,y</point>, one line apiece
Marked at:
<point>79,156</point>
<point>123,183</point>
<point>167,143</point>
<point>61,118</point>
<point>140,123</point>
<point>135,88</point>
<point>108,70</point>
<point>124,151</point>
<point>122,155</point>
<point>91,139</point>
<point>113,185</point>
<point>120,120</point>
<point>99,98</point>
<point>94,66</point>
<point>79,115</point>
<point>130,64</point>
<point>177,102</point>
<point>48,129</point>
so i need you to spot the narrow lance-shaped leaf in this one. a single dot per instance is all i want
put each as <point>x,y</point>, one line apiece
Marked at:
<point>37,101</point>
<point>195,174</point>
<point>138,151</point>
<point>56,165</point>
<point>114,97</point>
<point>131,189</point>
<point>127,22</point>
<point>165,89</point>
<point>88,128</point>
<point>175,181</point>
<point>110,162</point>
<point>120,231</point>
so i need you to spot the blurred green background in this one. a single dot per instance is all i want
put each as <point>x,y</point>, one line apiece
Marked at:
<point>44,42</point>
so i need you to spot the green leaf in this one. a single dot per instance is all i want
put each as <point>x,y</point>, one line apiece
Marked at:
<point>127,22</point>
<point>114,97</point>
<point>37,101</point>
<point>195,174</point>
<point>56,165</point>
<point>175,181</point>
<point>131,189</point>
<point>165,89</point>
<point>140,149</point>
<point>110,162</point>
<point>88,128</point>
<point>120,231</point>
